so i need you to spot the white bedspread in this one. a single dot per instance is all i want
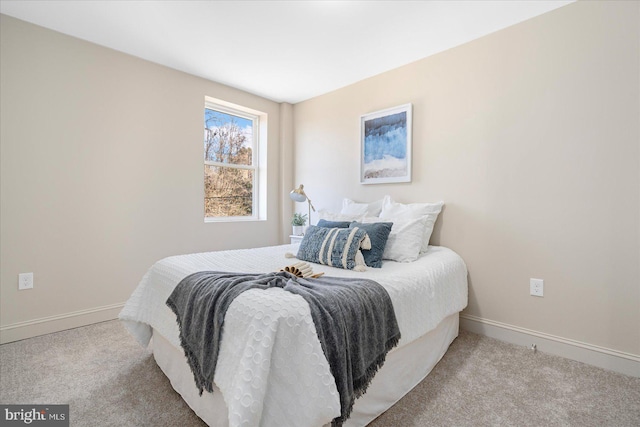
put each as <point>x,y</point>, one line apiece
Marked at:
<point>271,369</point>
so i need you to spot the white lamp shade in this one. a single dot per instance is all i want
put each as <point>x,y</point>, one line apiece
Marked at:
<point>298,195</point>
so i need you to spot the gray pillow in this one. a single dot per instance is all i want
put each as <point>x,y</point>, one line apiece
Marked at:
<point>333,224</point>
<point>336,247</point>
<point>378,234</point>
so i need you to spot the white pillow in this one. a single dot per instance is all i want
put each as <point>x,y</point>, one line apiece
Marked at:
<point>349,207</point>
<point>332,216</point>
<point>430,211</point>
<point>405,239</point>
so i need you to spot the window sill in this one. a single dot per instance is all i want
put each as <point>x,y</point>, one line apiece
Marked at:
<point>234,219</point>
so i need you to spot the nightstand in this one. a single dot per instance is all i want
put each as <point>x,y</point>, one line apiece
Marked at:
<point>295,239</point>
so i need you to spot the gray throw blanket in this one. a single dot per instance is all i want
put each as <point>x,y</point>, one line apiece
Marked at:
<point>354,320</point>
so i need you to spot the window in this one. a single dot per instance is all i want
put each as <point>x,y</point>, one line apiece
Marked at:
<point>232,162</point>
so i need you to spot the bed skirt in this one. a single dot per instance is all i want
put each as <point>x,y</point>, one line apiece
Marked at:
<point>404,368</point>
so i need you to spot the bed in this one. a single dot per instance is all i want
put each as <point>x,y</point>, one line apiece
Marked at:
<point>271,370</point>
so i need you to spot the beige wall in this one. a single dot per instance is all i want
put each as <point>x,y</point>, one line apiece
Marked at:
<point>102,174</point>
<point>531,137</point>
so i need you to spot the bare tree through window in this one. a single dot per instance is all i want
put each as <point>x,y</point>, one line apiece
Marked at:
<point>229,165</point>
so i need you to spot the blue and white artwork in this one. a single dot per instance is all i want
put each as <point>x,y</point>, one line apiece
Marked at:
<point>386,146</point>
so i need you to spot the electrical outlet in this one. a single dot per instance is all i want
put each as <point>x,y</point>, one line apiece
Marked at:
<point>25,281</point>
<point>536,287</point>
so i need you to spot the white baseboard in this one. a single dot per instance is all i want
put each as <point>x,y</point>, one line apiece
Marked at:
<point>617,361</point>
<point>624,363</point>
<point>46,325</point>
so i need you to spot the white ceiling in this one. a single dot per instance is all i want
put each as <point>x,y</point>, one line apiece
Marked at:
<point>282,50</point>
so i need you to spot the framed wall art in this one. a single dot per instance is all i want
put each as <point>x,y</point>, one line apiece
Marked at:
<point>385,140</point>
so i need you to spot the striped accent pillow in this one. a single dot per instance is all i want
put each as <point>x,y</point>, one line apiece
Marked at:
<point>336,247</point>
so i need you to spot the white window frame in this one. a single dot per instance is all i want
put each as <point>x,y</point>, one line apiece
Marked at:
<point>258,161</point>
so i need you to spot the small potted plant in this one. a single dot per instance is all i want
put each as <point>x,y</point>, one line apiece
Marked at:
<point>298,222</point>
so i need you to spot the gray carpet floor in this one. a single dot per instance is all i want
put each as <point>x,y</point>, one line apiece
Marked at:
<point>109,380</point>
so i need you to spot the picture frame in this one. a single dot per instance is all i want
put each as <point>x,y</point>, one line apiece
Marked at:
<point>385,145</point>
